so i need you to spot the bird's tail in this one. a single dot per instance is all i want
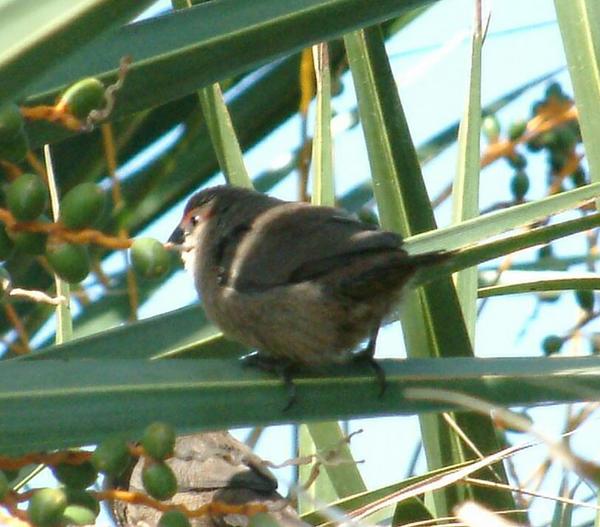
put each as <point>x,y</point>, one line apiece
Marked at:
<point>429,266</point>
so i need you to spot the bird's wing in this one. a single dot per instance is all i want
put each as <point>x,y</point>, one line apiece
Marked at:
<point>295,242</point>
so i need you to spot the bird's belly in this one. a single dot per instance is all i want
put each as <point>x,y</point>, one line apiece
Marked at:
<point>296,322</point>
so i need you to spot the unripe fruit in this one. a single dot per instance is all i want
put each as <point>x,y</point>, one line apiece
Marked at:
<point>174,519</point>
<point>112,456</point>
<point>159,480</point>
<point>578,177</point>
<point>70,261</point>
<point>585,299</point>
<point>490,126</point>
<point>517,129</point>
<point>11,121</point>
<point>554,90</point>
<point>76,476</point>
<point>29,242</point>
<point>519,185</point>
<point>517,161</point>
<point>83,97</point>
<point>6,244</point>
<point>15,149</point>
<point>27,197</point>
<point>82,508</point>
<point>78,515</point>
<point>159,440</point>
<point>534,144</point>
<point>149,257</point>
<point>82,206</point>
<point>46,507</point>
<point>552,344</point>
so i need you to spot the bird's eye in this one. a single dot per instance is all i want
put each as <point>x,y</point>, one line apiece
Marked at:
<point>195,220</point>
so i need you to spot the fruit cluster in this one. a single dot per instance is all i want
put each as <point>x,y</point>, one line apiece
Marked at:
<point>73,504</point>
<point>27,200</point>
<point>559,141</point>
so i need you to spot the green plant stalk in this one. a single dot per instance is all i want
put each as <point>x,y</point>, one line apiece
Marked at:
<point>538,286</point>
<point>478,229</point>
<point>91,399</point>
<point>578,22</point>
<point>322,147</point>
<point>335,480</point>
<point>487,251</point>
<point>465,192</point>
<point>64,321</point>
<point>223,136</point>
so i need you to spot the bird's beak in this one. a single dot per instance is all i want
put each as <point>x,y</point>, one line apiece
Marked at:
<point>177,236</point>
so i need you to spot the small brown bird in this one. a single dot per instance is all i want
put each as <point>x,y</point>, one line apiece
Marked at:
<point>299,283</point>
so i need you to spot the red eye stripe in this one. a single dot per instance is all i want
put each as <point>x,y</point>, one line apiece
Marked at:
<point>204,213</point>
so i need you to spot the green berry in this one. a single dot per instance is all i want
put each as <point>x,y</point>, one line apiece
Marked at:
<point>82,508</point>
<point>517,161</point>
<point>557,160</point>
<point>552,344</point>
<point>490,126</point>
<point>159,441</point>
<point>83,97</point>
<point>565,139</point>
<point>548,139</point>
<point>78,515</point>
<point>585,299</point>
<point>46,507</point>
<point>578,177</point>
<point>82,206</point>
<point>555,91</point>
<point>159,480</point>
<point>70,261</point>
<point>519,185</point>
<point>11,475</point>
<point>82,498</point>
<point>4,485</point>
<point>534,144</point>
<point>29,242</point>
<point>6,245</point>
<point>149,257</point>
<point>517,129</point>
<point>27,197</point>
<point>112,456</point>
<point>174,519</point>
<point>15,149</point>
<point>11,122</point>
<point>76,476</point>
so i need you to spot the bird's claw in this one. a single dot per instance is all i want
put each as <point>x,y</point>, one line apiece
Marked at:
<point>280,367</point>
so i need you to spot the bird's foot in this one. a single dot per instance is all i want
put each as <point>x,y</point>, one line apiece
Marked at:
<point>366,356</point>
<point>280,367</point>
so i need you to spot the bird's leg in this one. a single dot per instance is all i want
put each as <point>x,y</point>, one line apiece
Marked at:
<point>231,237</point>
<point>281,367</point>
<point>367,355</point>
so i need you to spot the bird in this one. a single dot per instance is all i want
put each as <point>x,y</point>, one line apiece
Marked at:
<point>301,284</point>
<point>210,467</point>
